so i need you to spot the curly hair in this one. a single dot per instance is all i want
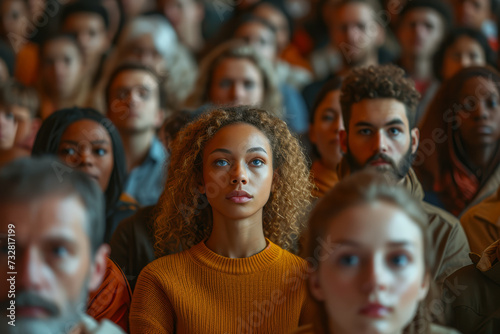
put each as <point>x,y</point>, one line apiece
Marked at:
<point>378,82</point>
<point>236,49</point>
<point>184,215</point>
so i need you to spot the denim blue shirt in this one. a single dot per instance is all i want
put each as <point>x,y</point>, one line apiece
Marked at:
<point>145,182</point>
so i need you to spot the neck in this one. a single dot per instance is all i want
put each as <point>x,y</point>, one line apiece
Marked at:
<point>480,156</point>
<point>136,145</point>
<point>417,67</point>
<point>237,238</point>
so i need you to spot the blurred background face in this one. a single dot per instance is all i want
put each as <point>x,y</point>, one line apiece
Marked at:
<point>86,146</point>
<point>61,67</point>
<point>53,262</point>
<point>260,37</point>
<point>134,102</point>
<point>182,14</point>
<point>275,17</point>
<point>420,32</point>
<point>143,50</point>
<point>8,128</point>
<point>373,280</point>
<point>15,18</point>
<point>355,32</point>
<point>471,13</point>
<point>465,52</point>
<point>91,33</point>
<point>133,8</point>
<point>324,132</point>
<point>4,72</point>
<point>480,118</point>
<point>236,81</point>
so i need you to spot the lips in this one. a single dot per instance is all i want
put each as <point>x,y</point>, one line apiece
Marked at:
<point>375,310</point>
<point>239,196</point>
<point>379,162</point>
<point>484,130</point>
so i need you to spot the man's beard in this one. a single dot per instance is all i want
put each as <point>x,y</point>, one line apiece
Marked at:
<point>58,322</point>
<point>399,171</point>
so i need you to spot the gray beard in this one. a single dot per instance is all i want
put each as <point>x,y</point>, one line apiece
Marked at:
<point>61,323</point>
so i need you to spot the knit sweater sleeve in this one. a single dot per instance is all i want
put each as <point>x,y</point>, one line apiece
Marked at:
<point>151,310</point>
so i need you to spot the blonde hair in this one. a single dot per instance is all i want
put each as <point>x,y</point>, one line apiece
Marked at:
<point>236,49</point>
<point>184,216</point>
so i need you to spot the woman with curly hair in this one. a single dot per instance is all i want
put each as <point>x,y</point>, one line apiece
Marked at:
<point>234,200</point>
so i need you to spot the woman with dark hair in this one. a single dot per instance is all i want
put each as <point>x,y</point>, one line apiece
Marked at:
<point>86,140</point>
<point>462,47</point>
<point>458,161</point>
<point>325,123</point>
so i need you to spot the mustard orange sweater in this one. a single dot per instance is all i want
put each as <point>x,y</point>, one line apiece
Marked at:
<point>199,291</point>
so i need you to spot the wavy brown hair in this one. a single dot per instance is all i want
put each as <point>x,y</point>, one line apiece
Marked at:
<point>184,215</point>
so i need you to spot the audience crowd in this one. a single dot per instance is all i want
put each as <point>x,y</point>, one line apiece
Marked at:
<point>250,166</point>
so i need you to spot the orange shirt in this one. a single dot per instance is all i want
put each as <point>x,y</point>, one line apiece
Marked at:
<point>199,291</point>
<point>112,299</point>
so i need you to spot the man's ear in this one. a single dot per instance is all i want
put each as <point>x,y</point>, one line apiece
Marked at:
<point>343,141</point>
<point>98,268</point>
<point>415,138</point>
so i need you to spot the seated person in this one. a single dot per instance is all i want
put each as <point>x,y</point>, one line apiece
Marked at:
<point>62,80</point>
<point>325,125</point>
<point>23,103</point>
<point>261,35</point>
<point>462,47</point>
<point>370,258</point>
<point>89,22</point>
<point>470,296</point>
<point>235,74</point>
<point>458,161</point>
<point>132,243</point>
<point>57,221</point>
<point>234,202</point>
<point>136,105</point>
<point>86,140</point>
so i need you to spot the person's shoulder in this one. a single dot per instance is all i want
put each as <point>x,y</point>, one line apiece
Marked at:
<point>442,215</point>
<point>167,262</point>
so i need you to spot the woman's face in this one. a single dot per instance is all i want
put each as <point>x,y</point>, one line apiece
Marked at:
<point>62,67</point>
<point>86,145</point>
<point>15,20</point>
<point>237,172</point>
<point>278,20</point>
<point>479,120</point>
<point>236,82</point>
<point>373,278</point>
<point>465,52</point>
<point>324,132</point>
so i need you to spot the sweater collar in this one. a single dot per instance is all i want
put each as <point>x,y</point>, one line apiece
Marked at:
<point>202,255</point>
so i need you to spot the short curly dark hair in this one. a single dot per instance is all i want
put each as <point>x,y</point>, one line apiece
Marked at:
<point>377,82</point>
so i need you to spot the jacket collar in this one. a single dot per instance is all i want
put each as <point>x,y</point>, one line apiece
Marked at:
<point>488,263</point>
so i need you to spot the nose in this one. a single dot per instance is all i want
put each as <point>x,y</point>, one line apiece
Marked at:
<point>381,144</point>
<point>465,60</point>
<point>238,93</point>
<point>481,111</point>
<point>239,174</point>
<point>86,156</point>
<point>30,270</point>
<point>374,277</point>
